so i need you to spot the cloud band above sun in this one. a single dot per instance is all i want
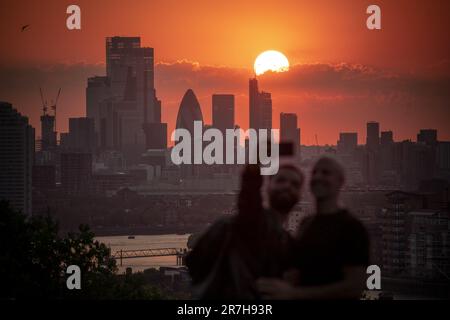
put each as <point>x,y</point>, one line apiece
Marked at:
<point>271,60</point>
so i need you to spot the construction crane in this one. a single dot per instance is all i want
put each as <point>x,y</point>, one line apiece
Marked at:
<point>53,106</point>
<point>44,103</point>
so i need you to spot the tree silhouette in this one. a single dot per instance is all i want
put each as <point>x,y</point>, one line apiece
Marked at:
<point>34,258</point>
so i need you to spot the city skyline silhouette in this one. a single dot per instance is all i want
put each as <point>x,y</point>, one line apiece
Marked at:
<point>241,149</point>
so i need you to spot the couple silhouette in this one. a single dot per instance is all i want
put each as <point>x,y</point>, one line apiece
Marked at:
<point>251,256</point>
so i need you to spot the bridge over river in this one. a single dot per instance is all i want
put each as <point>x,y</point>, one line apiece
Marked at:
<point>180,253</point>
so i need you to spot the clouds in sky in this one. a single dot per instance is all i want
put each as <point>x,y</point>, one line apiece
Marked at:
<point>328,98</point>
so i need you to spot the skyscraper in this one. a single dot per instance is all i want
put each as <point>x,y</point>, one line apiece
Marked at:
<point>260,107</point>
<point>189,112</point>
<point>387,148</point>
<point>223,111</point>
<point>387,137</point>
<point>16,158</point>
<point>124,101</point>
<point>81,137</point>
<point>265,110</point>
<point>373,135</point>
<point>98,89</point>
<point>289,132</point>
<point>48,134</point>
<point>372,163</point>
<point>253,98</point>
<point>427,136</point>
<point>44,178</point>
<point>347,143</point>
<point>76,172</point>
<point>156,133</point>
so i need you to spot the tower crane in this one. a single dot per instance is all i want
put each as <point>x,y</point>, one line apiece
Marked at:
<point>53,106</point>
<point>44,103</point>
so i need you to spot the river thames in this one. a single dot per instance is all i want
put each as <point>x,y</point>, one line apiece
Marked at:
<point>117,243</point>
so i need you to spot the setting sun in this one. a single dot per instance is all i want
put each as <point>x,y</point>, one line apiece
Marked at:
<point>271,60</point>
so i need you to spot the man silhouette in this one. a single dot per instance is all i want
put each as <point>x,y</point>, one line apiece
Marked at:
<point>234,252</point>
<point>331,249</point>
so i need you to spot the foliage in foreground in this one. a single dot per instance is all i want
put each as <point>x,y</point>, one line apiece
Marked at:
<point>34,259</point>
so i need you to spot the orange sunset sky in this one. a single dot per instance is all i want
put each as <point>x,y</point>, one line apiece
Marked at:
<point>342,74</point>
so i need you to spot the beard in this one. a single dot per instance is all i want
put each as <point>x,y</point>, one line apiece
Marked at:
<point>282,201</point>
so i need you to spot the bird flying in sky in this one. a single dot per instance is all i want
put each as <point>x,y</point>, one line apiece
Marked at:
<point>25,27</point>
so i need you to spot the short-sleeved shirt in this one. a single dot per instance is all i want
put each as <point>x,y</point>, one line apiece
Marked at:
<point>326,243</point>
